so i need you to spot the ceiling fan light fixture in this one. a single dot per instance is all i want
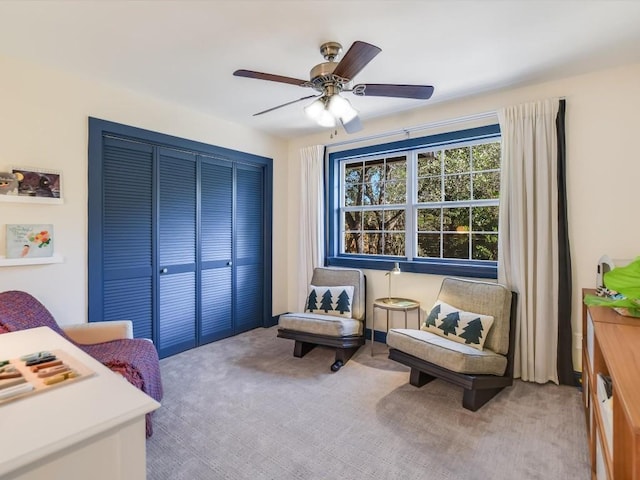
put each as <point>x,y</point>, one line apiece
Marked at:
<point>341,108</point>
<point>326,119</point>
<point>315,109</point>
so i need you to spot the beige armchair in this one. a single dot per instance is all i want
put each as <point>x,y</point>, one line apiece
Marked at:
<point>467,339</point>
<point>334,315</point>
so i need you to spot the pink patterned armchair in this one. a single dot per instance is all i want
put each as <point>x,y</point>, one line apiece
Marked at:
<point>108,342</point>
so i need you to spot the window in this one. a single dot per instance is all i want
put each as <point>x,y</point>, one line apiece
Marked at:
<point>430,203</point>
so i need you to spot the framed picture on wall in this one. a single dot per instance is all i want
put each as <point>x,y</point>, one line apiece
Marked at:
<point>29,240</point>
<point>34,182</point>
<point>8,184</point>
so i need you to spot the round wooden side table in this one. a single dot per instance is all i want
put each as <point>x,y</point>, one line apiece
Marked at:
<point>393,304</point>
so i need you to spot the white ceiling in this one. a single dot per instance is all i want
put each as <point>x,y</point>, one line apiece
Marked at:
<point>186,51</point>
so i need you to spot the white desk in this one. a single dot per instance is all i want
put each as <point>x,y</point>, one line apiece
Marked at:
<point>93,428</point>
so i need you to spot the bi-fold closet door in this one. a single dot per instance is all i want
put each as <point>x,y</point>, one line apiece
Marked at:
<point>181,245</point>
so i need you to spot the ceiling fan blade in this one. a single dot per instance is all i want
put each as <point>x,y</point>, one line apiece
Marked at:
<point>270,77</point>
<point>356,58</point>
<point>285,104</point>
<point>353,125</point>
<point>421,92</point>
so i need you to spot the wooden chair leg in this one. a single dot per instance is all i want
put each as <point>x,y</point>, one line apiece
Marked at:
<point>302,348</point>
<point>418,378</point>
<point>342,356</point>
<point>474,399</point>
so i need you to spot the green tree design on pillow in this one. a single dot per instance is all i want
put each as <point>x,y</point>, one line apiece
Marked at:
<point>433,315</point>
<point>472,333</point>
<point>449,323</point>
<point>343,302</point>
<point>327,301</point>
<point>312,301</point>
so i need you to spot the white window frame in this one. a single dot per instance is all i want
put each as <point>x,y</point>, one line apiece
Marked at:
<point>335,255</point>
<point>411,206</point>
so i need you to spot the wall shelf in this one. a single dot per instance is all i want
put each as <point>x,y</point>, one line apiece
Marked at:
<point>18,262</point>
<point>25,199</point>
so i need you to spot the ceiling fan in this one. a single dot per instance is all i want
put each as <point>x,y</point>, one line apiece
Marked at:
<point>330,78</point>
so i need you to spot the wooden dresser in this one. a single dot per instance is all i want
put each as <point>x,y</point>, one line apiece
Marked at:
<point>611,347</point>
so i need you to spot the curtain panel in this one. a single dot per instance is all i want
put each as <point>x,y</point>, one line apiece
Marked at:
<point>528,252</point>
<point>311,239</point>
<point>565,283</point>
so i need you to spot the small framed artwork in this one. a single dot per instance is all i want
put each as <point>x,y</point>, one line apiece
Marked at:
<point>8,184</point>
<point>33,182</point>
<point>29,240</point>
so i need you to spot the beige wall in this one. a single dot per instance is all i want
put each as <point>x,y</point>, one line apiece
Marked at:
<point>603,170</point>
<point>43,123</point>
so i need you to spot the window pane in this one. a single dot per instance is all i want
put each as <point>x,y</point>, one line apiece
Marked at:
<point>429,164</point>
<point>429,245</point>
<point>485,247</point>
<point>394,244</point>
<point>352,243</point>
<point>373,171</point>
<point>373,219</point>
<point>484,219</point>
<point>394,220</point>
<point>455,245</point>
<point>455,219</point>
<point>429,220</point>
<point>457,160</point>
<point>353,194</point>
<point>352,221</point>
<point>429,189</point>
<point>457,187</point>
<point>372,243</point>
<point>486,185</point>
<point>372,194</point>
<point>486,157</point>
<point>353,173</point>
<point>396,169</point>
<point>395,192</point>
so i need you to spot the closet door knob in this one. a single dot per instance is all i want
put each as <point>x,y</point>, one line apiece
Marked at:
<point>164,270</point>
<point>229,264</point>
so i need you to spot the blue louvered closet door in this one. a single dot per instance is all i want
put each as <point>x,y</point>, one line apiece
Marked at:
<point>124,268</point>
<point>177,240</point>
<point>216,230</point>
<point>249,246</point>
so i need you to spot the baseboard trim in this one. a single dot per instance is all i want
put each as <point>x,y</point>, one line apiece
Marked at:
<point>577,376</point>
<point>378,336</point>
<point>274,320</point>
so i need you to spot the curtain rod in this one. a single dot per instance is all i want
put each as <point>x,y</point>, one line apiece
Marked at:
<point>408,130</point>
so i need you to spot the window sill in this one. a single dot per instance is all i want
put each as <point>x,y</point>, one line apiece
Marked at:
<point>457,268</point>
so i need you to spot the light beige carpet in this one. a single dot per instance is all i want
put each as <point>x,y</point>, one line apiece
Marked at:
<point>245,408</point>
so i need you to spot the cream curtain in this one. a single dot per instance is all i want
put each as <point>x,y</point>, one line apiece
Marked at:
<point>311,238</point>
<point>528,245</point>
